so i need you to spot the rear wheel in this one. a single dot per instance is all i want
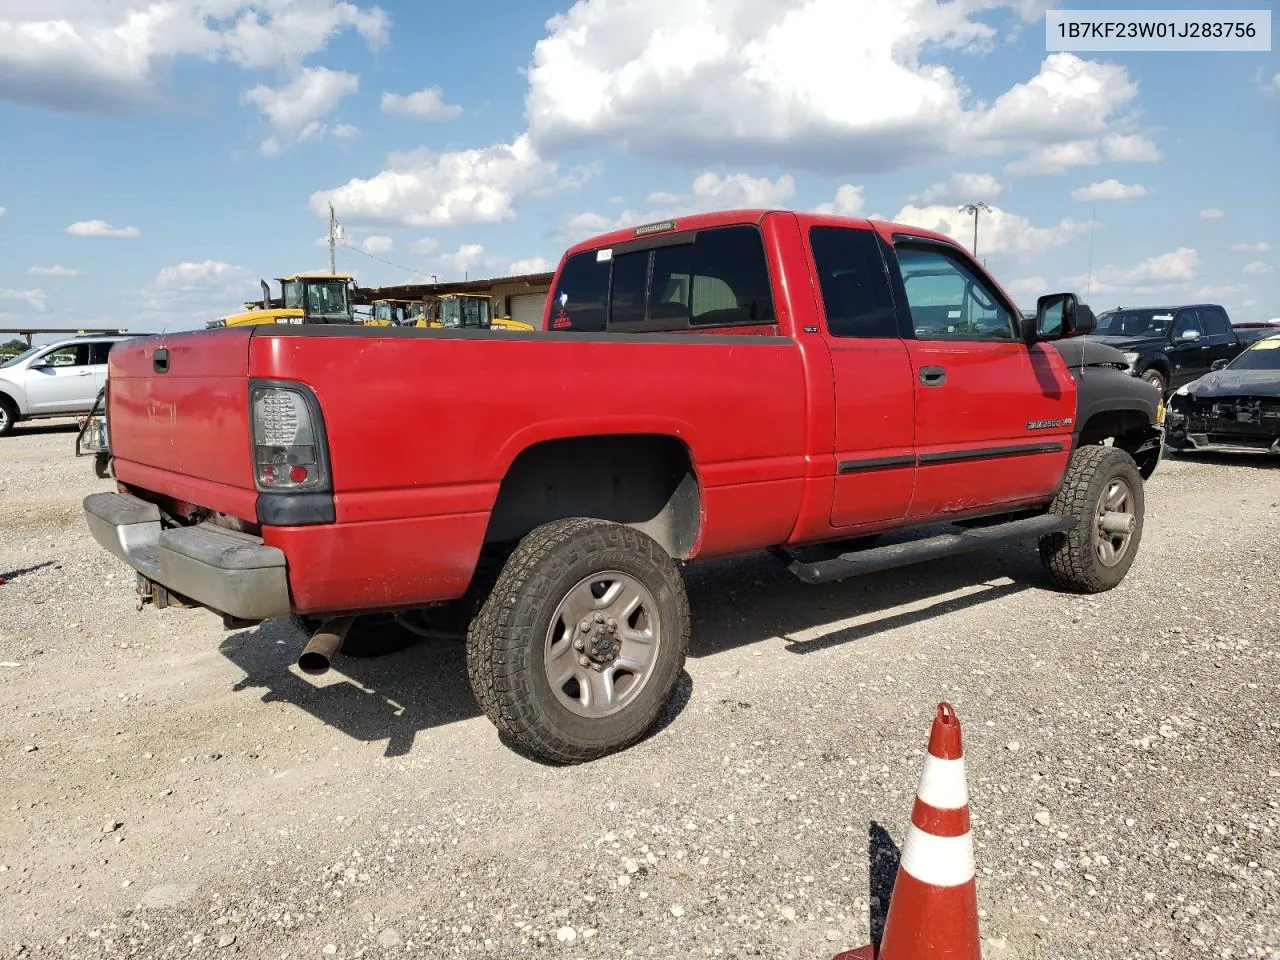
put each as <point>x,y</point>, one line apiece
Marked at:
<point>1103,488</point>
<point>8,416</point>
<point>582,640</point>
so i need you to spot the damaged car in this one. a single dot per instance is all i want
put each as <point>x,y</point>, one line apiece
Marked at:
<point>1234,407</point>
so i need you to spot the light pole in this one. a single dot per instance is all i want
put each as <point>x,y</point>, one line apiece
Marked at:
<point>973,208</point>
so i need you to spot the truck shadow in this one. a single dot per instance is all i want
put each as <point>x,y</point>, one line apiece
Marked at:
<point>1258,460</point>
<point>735,603</point>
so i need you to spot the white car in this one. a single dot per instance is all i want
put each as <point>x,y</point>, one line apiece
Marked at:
<point>59,379</point>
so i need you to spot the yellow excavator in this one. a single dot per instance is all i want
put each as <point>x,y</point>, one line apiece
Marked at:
<point>304,298</point>
<point>468,311</point>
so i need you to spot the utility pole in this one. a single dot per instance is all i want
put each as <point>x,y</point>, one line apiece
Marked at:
<point>333,242</point>
<point>972,209</point>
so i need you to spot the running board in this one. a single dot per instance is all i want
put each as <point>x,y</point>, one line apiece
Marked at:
<point>931,548</point>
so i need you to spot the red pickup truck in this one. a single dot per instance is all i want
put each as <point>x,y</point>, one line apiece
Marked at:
<point>725,383</point>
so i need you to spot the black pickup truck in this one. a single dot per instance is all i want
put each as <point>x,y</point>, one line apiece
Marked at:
<point>1170,346</point>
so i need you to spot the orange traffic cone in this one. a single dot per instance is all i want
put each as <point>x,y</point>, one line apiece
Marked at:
<point>933,913</point>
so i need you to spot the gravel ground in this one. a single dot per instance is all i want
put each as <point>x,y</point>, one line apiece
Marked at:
<point>171,790</point>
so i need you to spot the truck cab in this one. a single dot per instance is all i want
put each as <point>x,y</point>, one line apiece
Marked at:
<point>1170,346</point>
<point>304,298</point>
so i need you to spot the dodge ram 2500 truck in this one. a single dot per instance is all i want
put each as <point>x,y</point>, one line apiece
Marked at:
<point>720,384</point>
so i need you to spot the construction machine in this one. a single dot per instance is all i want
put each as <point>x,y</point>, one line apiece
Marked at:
<point>304,298</point>
<point>469,311</point>
<point>397,313</point>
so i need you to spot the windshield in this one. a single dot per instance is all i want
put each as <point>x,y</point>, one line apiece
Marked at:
<point>1133,323</point>
<point>1263,355</point>
<point>326,298</point>
<point>14,361</point>
<point>471,312</point>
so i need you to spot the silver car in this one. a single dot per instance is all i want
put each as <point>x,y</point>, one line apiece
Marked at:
<point>59,379</point>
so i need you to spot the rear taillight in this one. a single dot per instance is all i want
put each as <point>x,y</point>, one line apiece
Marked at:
<point>288,438</point>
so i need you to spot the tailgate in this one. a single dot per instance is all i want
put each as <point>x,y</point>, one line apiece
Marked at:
<point>178,410</point>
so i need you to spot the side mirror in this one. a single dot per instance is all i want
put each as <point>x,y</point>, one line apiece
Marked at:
<point>1059,315</point>
<point>1219,364</point>
<point>1189,336</point>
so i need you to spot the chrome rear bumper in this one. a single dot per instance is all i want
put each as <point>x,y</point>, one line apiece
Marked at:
<point>230,573</point>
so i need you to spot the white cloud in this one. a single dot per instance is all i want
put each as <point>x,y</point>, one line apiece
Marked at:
<point>708,191</point>
<point>428,103</point>
<point>1130,149</point>
<point>827,85</point>
<point>961,186</point>
<point>191,293</point>
<point>56,270</point>
<point>425,245</point>
<point>1273,85</point>
<point>531,265</point>
<point>848,202</point>
<point>998,230</point>
<point>1111,189</point>
<point>1166,273</point>
<point>377,244</point>
<point>1257,268</point>
<point>294,110</point>
<point>1,211</point>
<point>473,260</point>
<point>345,131</point>
<point>100,228</point>
<point>1028,288</point>
<point>427,189</point>
<point>1212,213</point>
<point>1260,247</point>
<point>32,298</point>
<point>101,56</point>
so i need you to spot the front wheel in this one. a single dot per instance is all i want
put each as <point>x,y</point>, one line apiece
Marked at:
<point>1103,488</point>
<point>582,640</point>
<point>1157,380</point>
<point>8,416</point>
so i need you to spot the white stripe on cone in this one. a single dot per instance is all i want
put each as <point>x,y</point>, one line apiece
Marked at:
<point>938,861</point>
<point>942,783</point>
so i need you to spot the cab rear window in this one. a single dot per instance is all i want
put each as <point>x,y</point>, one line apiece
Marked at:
<point>715,278</point>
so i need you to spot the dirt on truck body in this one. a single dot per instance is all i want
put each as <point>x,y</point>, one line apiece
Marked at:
<point>717,385</point>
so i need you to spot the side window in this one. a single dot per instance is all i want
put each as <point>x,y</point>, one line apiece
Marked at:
<point>1188,323</point>
<point>670,296</point>
<point>730,282</point>
<point>72,355</point>
<point>948,301</point>
<point>581,296</point>
<point>1215,322</point>
<point>855,286</point>
<point>98,351</point>
<point>627,293</point>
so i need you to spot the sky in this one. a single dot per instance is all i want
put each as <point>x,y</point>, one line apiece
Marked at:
<point>160,156</point>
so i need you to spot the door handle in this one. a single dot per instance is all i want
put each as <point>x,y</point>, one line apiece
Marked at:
<point>933,376</point>
<point>84,373</point>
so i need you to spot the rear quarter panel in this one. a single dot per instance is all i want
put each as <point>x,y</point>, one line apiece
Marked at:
<point>423,425</point>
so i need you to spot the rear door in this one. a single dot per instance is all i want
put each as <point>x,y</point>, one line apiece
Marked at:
<point>993,417</point>
<point>874,397</point>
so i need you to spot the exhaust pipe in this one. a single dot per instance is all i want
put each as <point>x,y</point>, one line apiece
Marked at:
<point>324,645</point>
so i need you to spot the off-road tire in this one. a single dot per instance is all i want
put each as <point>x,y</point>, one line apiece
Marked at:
<point>8,416</point>
<point>506,642</point>
<point>1154,376</point>
<point>1070,558</point>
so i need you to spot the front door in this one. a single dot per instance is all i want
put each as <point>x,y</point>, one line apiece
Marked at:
<point>994,417</point>
<point>874,399</point>
<point>61,380</point>
<point>1190,350</point>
